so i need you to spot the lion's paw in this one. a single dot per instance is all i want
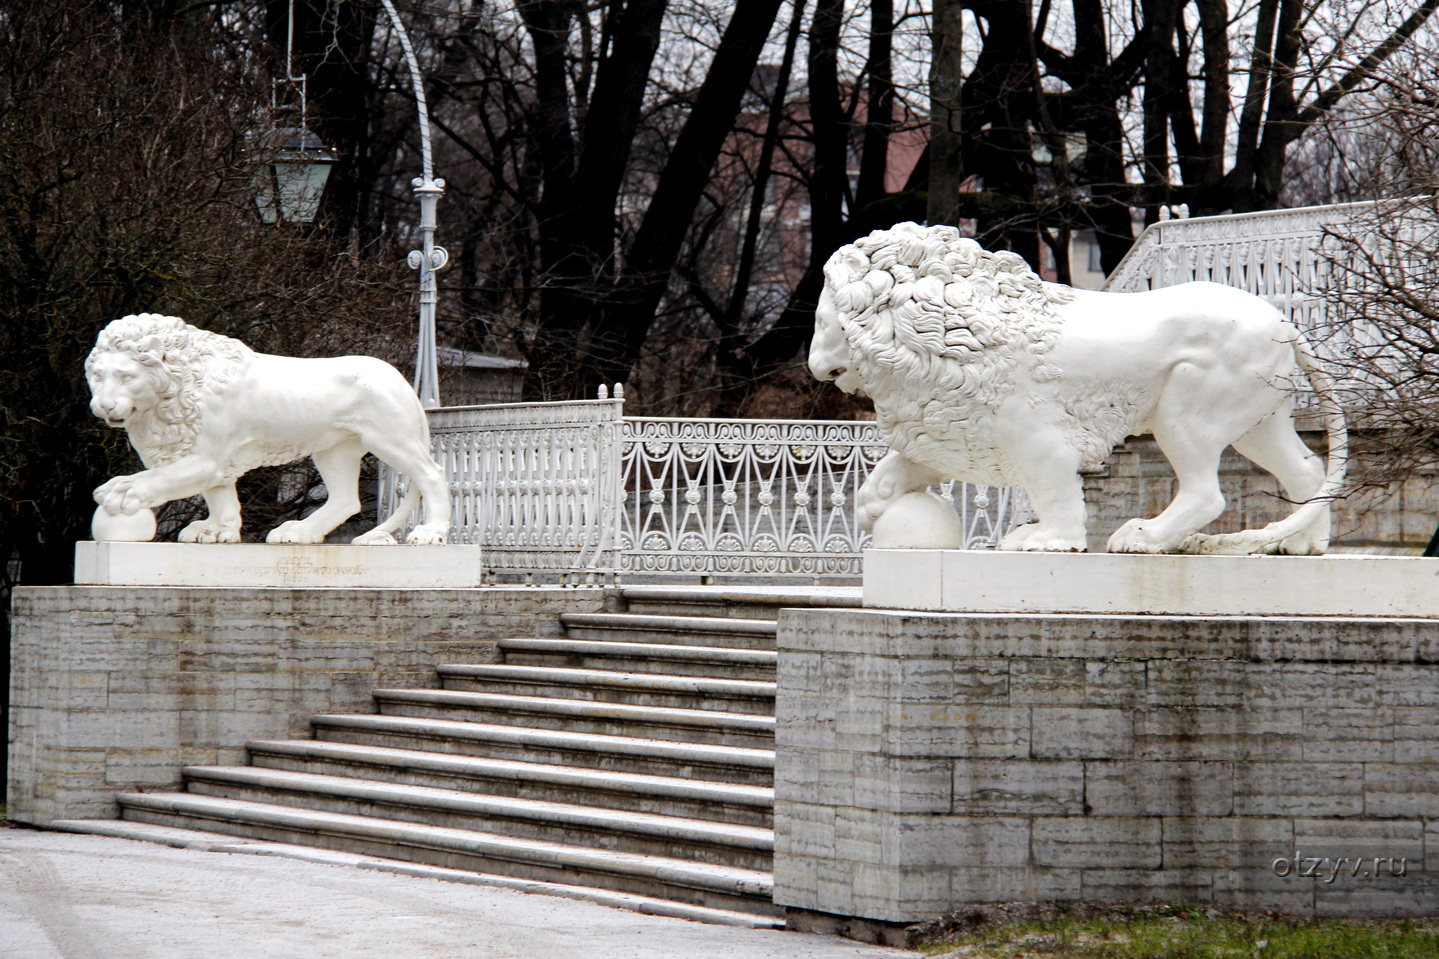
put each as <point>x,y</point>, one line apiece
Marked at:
<point>124,494</point>
<point>375,537</point>
<point>1050,542</point>
<point>426,535</point>
<point>203,531</point>
<point>1137,537</point>
<point>868,507</point>
<point>1308,542</point>
<point>1017,537</point>
<point>295,531</point>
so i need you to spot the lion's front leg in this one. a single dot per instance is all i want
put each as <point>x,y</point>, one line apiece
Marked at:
<point>223,523</point>
<point>150,488</point>
<point>1048,468</point>
<point>891,478</point>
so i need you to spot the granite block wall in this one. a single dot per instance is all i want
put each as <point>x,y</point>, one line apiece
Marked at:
<point>116,688</point>
<point>929,761</point>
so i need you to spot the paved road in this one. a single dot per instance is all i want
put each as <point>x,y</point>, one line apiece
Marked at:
<point>65,896</point>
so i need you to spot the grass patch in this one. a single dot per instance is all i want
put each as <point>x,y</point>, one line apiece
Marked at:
<point>1079,931</point>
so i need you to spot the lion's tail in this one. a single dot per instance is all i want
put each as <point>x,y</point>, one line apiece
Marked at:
<point>385,532</point>
<point>1263,540</point>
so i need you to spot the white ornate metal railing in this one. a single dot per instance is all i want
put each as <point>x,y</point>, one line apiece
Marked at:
<point>1304,261</point>
<point>536,484</point>
<point>1280,255</point>
<point>773,497</point>
<point>580,490</point>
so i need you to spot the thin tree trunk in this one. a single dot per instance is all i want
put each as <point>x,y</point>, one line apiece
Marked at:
<point>1279,122</point>
<point>946,145</point>
<point>609,126</point>
<point>1214,129</point>
<point>1251,116</point>
<point>1093,78</point>
<point>879,110</point>
<point>661,235</point>
<point>739,295</point>
<point>1159,22</point>
<point>829,136</point>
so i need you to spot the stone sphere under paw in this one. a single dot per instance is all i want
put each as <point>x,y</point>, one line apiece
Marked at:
<point>918,520</point>
<point>137,527</point>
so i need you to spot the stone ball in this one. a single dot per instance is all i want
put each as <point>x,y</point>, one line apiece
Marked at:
<point>918,520</point>
<point>137,527</point>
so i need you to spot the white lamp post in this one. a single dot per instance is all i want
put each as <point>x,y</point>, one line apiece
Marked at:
<point>429,258</point>
<point>290,185</point>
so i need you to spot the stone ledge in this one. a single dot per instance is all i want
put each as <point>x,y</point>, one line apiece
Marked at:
<point>975,581</point>
<point>251,565</point>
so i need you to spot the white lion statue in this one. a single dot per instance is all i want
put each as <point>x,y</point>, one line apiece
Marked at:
<point>202,409</point>
<point>980,371</point>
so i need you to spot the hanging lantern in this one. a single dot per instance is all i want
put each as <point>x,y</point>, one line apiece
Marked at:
<point>293,178</point>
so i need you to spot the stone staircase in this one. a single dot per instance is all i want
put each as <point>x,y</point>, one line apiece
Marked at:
<point>631,762</point>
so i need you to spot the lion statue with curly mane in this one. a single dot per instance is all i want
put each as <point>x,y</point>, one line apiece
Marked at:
<point>202,409</point>
<point>980,371</point>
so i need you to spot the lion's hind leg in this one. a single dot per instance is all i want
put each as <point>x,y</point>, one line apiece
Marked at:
<point>1274,445</point>
<point>409,454</point>
<point>223,523</point>
<point>1194,454</point>
<point>339,467</point>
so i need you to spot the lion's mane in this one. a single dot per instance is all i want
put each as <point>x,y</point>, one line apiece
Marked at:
<point>938,328</point>
<point>186,365</point>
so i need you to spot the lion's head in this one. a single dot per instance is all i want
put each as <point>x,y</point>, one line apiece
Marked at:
<point>916,314</point>
<point>148,374</point>
<point>925,303</point>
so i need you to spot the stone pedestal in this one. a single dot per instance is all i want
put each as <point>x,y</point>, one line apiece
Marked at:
<point>1007,582</point>
<point>454,566</point>
<point>116,688</point>
<point>929,760</point>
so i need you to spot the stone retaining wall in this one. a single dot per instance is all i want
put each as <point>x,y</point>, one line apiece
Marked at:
<point>931,760</point>
<point>116,688</point>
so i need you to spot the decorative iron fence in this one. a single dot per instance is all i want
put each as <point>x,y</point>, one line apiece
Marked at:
<point>536,484</point>
<point>580,490</point>
<point>1279,255</point>
<point>771,497</point>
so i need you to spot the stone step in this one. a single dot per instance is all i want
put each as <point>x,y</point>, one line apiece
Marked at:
<point>610,686</point>
<point>682,630</point>
<point>607,788</point>
<point>705,884</point>
<point>748,847</point>
<point>219,842</point>
<point>610,719</point>
<point>748,602</point>
<point>669,659</point>
<point>742,765</point>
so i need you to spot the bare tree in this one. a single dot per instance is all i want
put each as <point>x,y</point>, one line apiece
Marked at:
<point>130,190</point>
<point>1384,295</point>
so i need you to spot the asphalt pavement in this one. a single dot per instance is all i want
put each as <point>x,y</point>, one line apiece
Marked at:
<point>69,896</point>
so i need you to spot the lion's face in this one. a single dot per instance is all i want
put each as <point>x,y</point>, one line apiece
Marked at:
<point>121,387</point>
<point>829,357</point>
